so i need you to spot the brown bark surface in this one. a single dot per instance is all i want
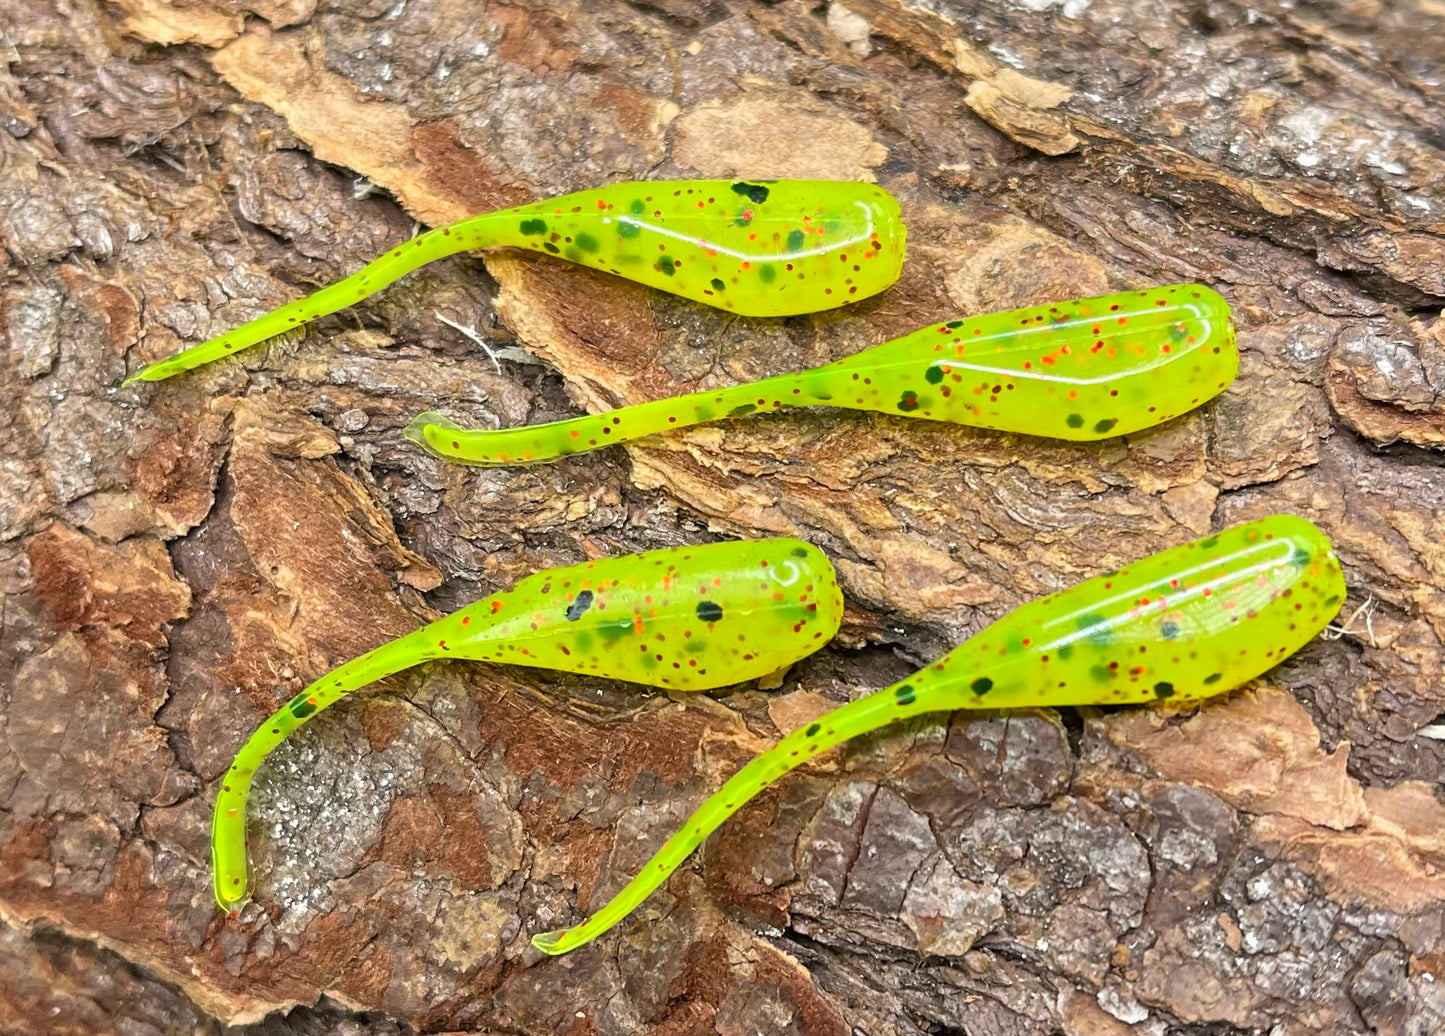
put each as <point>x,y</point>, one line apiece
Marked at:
<point>177,559</point>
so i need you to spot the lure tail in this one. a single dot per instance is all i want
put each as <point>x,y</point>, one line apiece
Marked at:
<point>478,232</point>
<point>530,444</point>
<point>229,861</point>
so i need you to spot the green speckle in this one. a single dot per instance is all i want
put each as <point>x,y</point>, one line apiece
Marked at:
<point>1332,600</point>
<point>954,324</point>
<point>534,226</point>
<point>1210,543</point>
<point>741,409</point>
<point>583,642</point>
<point>1074,420</point>
<point>717,284</point>
<point>755,192</point>
<point>626,228</point>
<point>981,686</point>
<point>812,730</point>
<point>1104,425</point>
<point>767,273</point>
<point>549,246</point>
<point>904,694</point>
<point>795,240</point>
<point>637,208</point>
<point>1102,673</point>
<point>1066,652</point>
<point>587,242</point>
<point>1169,630</point>
<point>800,552</point>
<point>908,402</point>
<point>614,629</point>
<point>666,265</point>
<point>301,708</point>
<point>1097,625</point>
<point>1214,678</point>
<point>933,375</point>
<point>695,646</point>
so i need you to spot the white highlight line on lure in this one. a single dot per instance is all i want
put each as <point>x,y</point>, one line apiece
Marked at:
<point>750,257</point>
<point>1062,379</point>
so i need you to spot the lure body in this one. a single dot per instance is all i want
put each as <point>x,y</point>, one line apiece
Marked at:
<point>1081,370</point>
<point>764,248</point>
<point>690,618</point>
<point>1191,622</point>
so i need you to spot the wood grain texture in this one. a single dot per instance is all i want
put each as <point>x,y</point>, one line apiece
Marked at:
<point>178,559</point>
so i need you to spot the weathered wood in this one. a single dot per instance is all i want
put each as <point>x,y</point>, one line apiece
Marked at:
<point>178,558</point>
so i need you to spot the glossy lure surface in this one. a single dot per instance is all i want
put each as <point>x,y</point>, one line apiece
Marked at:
<point>690,618</point>
<point>1082,370</point>
<point>759,248</point>
<point>1191,622</point>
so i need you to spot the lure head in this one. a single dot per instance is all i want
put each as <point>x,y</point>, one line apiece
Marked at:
<point>1082,370</point>
<point>1188,623</point>
<point>759,248</point>
<point>687,618</point>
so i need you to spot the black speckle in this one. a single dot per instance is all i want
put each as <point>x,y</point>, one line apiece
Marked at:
<point>549,246</point>
<point>1074,420</point>
<point>981,686</point>
<point>955,324</point>
<point>756,192</point>
<point>1214,678</point>
<point>1104,425</point>
<point>709,611</point>
<point>579,606</point>
<point>933,375</point>
<point>1163,689</point>
<point>904,694</point>
<point>812,730</point>
<point>1169,630</point>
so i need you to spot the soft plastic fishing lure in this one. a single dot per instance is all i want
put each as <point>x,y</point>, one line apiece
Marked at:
<point>1074,370</point>
<point>1191,622</point>
<point>690,618</point>
<point>760,248</point>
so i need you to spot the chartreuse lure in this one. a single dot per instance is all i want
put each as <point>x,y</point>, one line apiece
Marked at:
<point>1191,622</point>
<point>689,618</point>
<point>1080,370</point>
<point>764,248</point>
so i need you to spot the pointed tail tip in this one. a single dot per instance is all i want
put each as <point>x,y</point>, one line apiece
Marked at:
<point>550,943</point>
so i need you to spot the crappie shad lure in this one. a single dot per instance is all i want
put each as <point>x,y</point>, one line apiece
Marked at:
<point>1191,622</point>
<point>765,248</point>
<point>1082,370</point>
<point>687,618</point>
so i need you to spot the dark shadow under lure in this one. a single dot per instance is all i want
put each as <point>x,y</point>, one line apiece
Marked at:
<point>1191,622</point>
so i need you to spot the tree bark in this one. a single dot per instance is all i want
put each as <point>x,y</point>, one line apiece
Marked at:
<point>177,559</point>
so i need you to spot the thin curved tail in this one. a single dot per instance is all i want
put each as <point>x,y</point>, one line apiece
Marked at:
<point>477,232</point>
<point>530,444</point>
<point>230,870</point>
